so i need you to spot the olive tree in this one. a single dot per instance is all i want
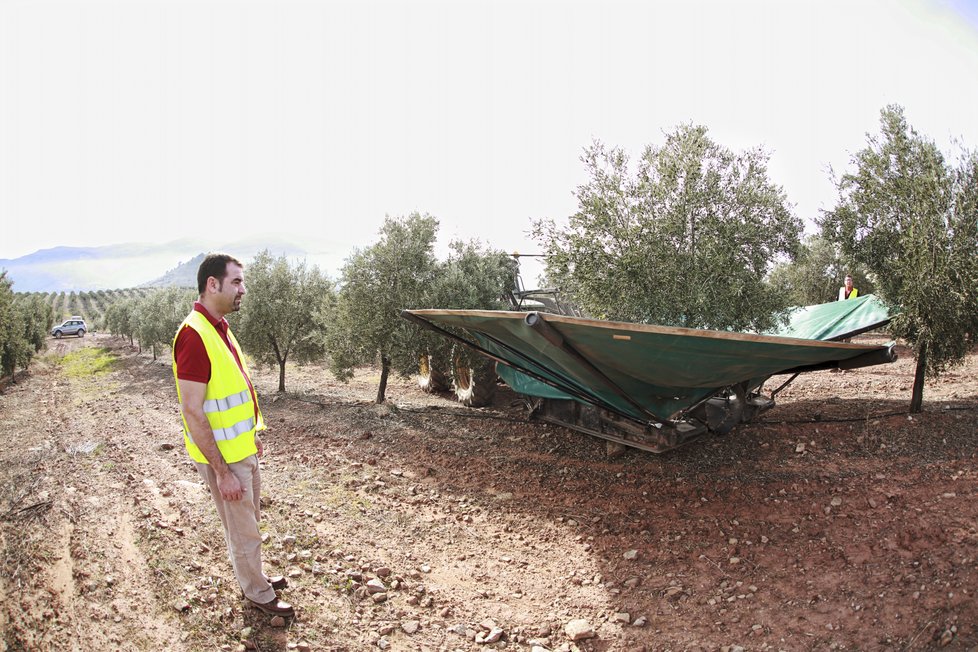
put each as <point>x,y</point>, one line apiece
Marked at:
<point>120,318</point>
<point>473,277</point>
<point>13,346</point>
<point>282,314</point>
<point>376,283</point>
<point>24,324</point>
<point>159,314</point>
<point>685,239</point>
<point>38,317</point>
<point>909,216</point>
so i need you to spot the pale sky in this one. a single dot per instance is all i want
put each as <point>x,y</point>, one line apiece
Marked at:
<point>139,121</point>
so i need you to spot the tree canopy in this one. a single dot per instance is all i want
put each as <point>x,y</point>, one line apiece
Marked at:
<point>685,240</point>
<point>158,315</point>
<point>24,324</point>
<point>120,318</point>
<point>376,283</point>
<point>911,218</point>
<point>401,271</point>
<point>282,315</point>
<point>473,277</point>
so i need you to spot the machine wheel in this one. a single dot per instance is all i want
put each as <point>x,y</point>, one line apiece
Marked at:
<point>81,332</point>
<point>432,377</point>
<point>57,335</point>
<point>475,383</point>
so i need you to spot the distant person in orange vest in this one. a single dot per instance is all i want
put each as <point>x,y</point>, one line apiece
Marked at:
<point>221,422</point>
<point>847,291</point>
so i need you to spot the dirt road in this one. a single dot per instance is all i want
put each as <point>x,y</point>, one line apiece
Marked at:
<point>837,522</point>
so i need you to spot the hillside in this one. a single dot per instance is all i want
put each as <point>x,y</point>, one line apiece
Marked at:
<point>183,275</point>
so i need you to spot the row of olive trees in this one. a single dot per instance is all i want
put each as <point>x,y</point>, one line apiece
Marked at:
<point>691,235</point>
<point>24,324</point>
<point>294,313</point>
<point>152,319</point>
<point>689,238</point>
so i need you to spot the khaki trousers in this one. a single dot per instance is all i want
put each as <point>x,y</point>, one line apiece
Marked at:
<point>240,520</point>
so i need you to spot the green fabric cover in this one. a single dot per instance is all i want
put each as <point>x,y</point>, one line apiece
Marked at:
<point>664,370</point>
<point>835,320</point>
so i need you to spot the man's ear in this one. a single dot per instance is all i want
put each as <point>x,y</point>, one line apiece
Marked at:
<point>212,284</point>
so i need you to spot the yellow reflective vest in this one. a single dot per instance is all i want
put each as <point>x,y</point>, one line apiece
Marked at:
<point>233,415</point>
<point>852,295</point>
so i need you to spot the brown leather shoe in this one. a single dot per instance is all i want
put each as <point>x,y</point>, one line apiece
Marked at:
<point>274,607</point>
<point>278,582</point>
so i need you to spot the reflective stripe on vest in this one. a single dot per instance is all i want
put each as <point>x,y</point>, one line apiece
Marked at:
<point>228,402</point>
<point>233,416</point>
<point>241,427</point>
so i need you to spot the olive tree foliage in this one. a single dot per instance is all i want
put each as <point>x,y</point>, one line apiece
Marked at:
<point>817,273</point>
<point>686,239</point>
<point>159,314</point>
<point>911,218</point>
<point>24,324</point>
<point>15,350</point>
<point>38,318</point>
<point>376,283</point>
<point>281,318</point>
<point>473,277</point>
<point>120,318</point>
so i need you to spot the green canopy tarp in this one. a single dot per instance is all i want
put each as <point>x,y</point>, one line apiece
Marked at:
<point>835,320</point>
<point>649,372</point>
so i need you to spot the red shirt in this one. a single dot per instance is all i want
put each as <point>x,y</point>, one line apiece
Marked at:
<point>191,356</point>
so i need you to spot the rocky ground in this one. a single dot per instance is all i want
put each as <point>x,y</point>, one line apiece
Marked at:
<point>837,521</point>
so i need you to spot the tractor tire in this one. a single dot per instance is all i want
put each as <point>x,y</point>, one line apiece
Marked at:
<point>475,384</point>
<point>432,377</point>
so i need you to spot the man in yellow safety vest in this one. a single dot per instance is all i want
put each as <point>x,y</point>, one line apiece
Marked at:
<point>221,422</point>
<point>847,291</point>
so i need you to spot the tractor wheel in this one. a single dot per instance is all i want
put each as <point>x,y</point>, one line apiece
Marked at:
<point>475,384</point>
<point>432,377</point>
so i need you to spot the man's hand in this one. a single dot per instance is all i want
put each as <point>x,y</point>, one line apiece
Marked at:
<point>230,486</point>
<point>259,445</point>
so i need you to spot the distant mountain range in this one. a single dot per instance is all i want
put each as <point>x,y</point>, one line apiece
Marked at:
<point>112,267</point>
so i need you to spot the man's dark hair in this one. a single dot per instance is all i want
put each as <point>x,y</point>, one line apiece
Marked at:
<point>215,265</point>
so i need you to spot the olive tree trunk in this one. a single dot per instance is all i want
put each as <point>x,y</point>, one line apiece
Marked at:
<point>917,397</point>
<point>281,366</point>
<point>385,369</point>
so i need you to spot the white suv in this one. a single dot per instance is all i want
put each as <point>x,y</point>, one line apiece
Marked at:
<point>71,326</point>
